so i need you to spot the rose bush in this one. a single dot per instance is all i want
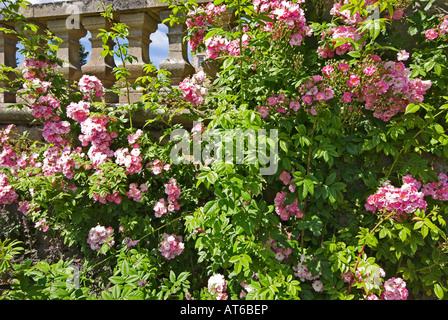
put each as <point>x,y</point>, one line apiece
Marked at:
<point>355,208</point>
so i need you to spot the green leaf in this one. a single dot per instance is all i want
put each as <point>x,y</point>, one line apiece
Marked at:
<point>402,235</point>
<point>412,108</point>
<point>438,290</point>
<point>354,54</point>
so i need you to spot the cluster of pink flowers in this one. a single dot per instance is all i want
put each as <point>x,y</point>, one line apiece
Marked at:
<point>441,29</point>
<point>286,15</point>
<point>158,166</point>
<point>164,206</point>
<point>42,224</point>
<point>78,111</point>
<point>217,46</point>
<point>131,160</point>
<point>437,190</point>
<point>401,201</point>
<point>7,192</point>
<point>279,104</point>
<point>286,211</point>
<point>136,192</point>
<point>346,15</point>
<point>391,289</point>
<point>302,272</point>
<point>110,197</point>
<point>315,91</point>
<point>354,19</point>
<point>335,35</point>
<point>217,286</point>
<point>90,86</point>
<point>53,132</point>
<point>57,159</point>
<point>384,87</point>
<point>281,254</point>
<point>8,157</point>
<point>171,246</point>
<point>94,131</point>
<point>44,106</point>
<point>394,289</point>
<point>193,89</point>
<point>36,69</point>
<point>200,19</point>
<point>100,235</point>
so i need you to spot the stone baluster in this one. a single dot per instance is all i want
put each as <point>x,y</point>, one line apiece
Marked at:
<point>69,48</point>
<point>141,25</point>
<point>99,66</point>
<point>8,50</point>
<point>177,60</point>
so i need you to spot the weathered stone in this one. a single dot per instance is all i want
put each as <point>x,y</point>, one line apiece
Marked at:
<point>69,49</point>
<point>99,66</point>
<point>177,61</point>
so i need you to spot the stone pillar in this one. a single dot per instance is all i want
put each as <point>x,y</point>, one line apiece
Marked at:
<point>8,50</point>
<point>177,60</point>
<point>99,66</point>
<point>69,49</point>
<point>141,25</point>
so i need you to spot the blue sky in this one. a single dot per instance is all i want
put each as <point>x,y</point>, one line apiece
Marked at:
<point>158,48</point>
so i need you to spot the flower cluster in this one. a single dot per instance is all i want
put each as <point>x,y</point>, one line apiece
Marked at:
<point>135,192</point>
<point>193,89</point>
<point>8,157</point>
<point>279,104</point>
<point>171,246</point>
<point>286,211</point>
<point>217,287</point>
<point>440,31</point>
<point>131,160</point>
<point>200,19</point>
<point>164,206</point>
<point>90,86</point>
<point>7,193</point>
<point>44,106</point>
<point>78,111</point>
<point>437,190</point>
<point>94,131</point>
<point>281,254</point>
<point>285,15</point>
<point>218,46</point>
<point>158,166</point>
<point>57,159</point>
<point>371,278</point>
<point>333,36</point>
<point>384,87</point>
<point>399,201</point>
<point>100,235</point>
<point>394,289</point>
<point>42,224</point>
<point>110,197</point>
<point>53,132</point>
<point>316,91</point>
<point>302,272</point>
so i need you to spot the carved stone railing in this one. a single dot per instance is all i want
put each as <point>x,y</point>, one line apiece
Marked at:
<point>70,21</point>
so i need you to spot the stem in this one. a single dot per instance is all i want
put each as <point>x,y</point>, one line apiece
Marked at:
<point>163,226</point>
<point>406,146</point>
<point>362,250</point>
<point>240,29</point>
<point>308,169</point>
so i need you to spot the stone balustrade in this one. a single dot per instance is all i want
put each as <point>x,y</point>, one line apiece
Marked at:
<point>71,20</point>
